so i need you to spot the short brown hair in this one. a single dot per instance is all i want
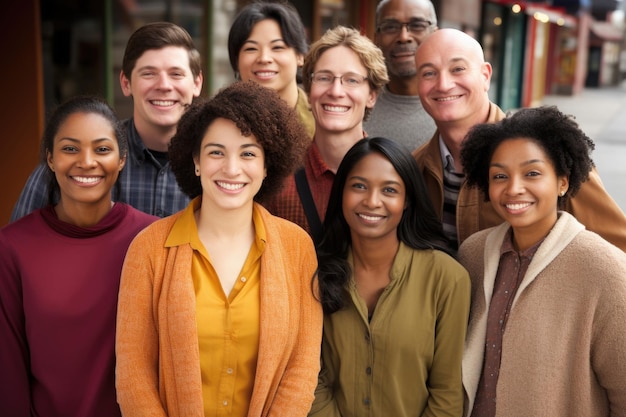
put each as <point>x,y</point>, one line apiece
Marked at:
<point>159,35</point>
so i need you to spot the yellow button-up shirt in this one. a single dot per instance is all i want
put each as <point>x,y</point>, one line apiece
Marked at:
<point>228,326</point>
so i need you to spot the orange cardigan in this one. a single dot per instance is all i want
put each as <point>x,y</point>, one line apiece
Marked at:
<point>158,363</point>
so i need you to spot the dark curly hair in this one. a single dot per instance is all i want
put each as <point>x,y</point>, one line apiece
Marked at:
<point>257,111</point>
<point>419,227</point>
<point>558,134</point>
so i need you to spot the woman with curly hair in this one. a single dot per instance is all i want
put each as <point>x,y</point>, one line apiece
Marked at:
<point>547,330</point>
<point>216,313</point>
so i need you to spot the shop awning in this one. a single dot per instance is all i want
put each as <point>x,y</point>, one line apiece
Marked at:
<point>607,31</point>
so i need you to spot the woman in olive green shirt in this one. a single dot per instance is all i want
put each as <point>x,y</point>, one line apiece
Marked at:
<point>395,304</point>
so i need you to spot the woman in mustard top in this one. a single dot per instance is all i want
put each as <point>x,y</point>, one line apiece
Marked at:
<point>216,313</point>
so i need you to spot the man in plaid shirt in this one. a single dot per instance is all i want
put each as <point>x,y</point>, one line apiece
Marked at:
<point>161,71</point>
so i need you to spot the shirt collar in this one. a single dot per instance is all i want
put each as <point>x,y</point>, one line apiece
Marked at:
<point>185,231</point>
<point>446,157</point>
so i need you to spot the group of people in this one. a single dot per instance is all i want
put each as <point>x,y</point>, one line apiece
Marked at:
<point>348,229</point>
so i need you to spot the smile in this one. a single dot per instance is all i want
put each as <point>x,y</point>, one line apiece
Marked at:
<point>229,186</point>
<point>450,98</point>
<point>265,73</point>
<point>87,180</point>
<point>370,218</point>
<point>517,206</point>
<point>163,103</point>
<point>336,109</point>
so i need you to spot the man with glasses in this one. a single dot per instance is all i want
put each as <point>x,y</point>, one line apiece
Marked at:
<point>402,25</point>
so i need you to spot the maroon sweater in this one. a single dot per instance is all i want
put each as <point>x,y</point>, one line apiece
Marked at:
<point>58,301</point>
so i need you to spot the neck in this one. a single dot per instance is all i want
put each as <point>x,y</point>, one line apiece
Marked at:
<point>373,254</point>
<point>290,94</point>
<point>223,224</point>
<point>156,138</point>
<point>83,215</point>
<point>333,147</point>
<point>406,86</point>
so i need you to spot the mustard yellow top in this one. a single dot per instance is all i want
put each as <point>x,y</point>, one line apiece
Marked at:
<point>228,326</point>
<point>303,108</point>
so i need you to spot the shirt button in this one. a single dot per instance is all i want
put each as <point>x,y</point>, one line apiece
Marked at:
<point>224,403</point>
<point>367,337</point>
<point>366,401</point>
<point>229,371</point>
<point>243,279</point>
<point>368,370</point>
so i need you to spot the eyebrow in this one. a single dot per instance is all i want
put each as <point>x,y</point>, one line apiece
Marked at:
<point>244,146</point>
<point>358,177</point>
<point>529,162</point>
<point>257,42</point>
<point>454,60</point>
<point>152,67</point>
<point>74,140</point>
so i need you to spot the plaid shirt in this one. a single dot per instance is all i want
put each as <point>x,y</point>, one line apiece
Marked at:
<point>144,183</point>
<point>287,203</point>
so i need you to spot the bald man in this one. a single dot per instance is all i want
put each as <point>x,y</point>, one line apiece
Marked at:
<point>453,83</point>
<point>401,26</point>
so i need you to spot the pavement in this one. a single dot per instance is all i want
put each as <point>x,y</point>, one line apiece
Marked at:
<point>601,114</point>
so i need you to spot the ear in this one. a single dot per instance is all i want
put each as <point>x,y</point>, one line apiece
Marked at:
<point>122,162</point>
<point>49,160</point>
<point>486,71</point>
<point>125,84</point>
<point>197,85</point>
<point>563,184</point>
<point>371,101</point>
<point>300,59</point>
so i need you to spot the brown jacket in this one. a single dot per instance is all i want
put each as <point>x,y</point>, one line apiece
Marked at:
<point>158,362</point>
<point>592,205</point>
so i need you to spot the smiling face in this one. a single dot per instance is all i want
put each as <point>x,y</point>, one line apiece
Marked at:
<point>337,108</point>
<point>400,48</point>
<point>374,198</point>
<point>268,60</point>
<point>453,79</point>
<point>231,167</point>
<point>85,159</point>
<point>161,85</point>
<point>523,189</point>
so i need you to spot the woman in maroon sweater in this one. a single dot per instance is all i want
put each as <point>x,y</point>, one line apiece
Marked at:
<point>59,273</point>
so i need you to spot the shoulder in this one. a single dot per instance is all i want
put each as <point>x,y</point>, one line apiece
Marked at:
<point>156,232</point>
<point>437,263</point>
<point>277,226</point>
<point>138,217</point>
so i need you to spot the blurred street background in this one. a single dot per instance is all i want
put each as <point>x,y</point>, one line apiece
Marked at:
<point>566,52</point>
<point>601,113</point>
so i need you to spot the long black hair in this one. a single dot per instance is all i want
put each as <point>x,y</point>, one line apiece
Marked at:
<point>419,227</point>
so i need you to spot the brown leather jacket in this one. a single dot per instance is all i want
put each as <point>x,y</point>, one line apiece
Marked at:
<point>592,205</point>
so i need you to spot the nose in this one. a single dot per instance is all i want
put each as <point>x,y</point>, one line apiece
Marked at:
<point>404,35</point>
<point>164,82</point>
<point>265,55</point>
<point>515,186</point>
<point>372,199</point>
<point>444,81</point>
<point>87,159</point>
<point>336,88</point>
<point>232,166</point>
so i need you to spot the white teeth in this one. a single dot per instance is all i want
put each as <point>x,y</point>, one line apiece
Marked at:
<point>448,98</point>
<point>230,186</point>
<point>265,74</point>
<point>517,206</point>
<point>163,102</point>
<point>370,218</point>
<point>86,180</point>
<point>338,109</point>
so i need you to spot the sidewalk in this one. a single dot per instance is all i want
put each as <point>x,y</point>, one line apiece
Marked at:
<point>601,114</point>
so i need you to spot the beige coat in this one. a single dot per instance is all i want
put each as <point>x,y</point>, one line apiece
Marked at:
<point>564,346</point>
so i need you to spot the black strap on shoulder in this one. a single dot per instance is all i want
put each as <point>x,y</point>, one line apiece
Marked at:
<point>304,191</point>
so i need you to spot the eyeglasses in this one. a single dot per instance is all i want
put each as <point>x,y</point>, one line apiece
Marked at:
<point>348,80</point>
<point>393,27</point>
